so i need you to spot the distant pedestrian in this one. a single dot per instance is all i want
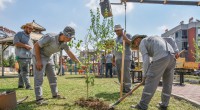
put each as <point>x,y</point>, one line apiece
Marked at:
<point>61,60</point>
<point>109,60</point>
<point>102,64</point>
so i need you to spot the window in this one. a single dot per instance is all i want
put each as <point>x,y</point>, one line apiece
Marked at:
<point>184,33</point>
<point>185,45</point>
<point>176,35</point>
<point>198,32</point>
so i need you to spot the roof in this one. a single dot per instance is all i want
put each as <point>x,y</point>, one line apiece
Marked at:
<point>36,26</point>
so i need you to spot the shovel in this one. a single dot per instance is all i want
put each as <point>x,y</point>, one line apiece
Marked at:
<point>129,93</point>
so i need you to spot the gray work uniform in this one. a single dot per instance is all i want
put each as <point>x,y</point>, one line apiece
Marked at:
<point>162,65</point>
<point>172,42</point>
<point>49,44</point>
<point>127,62</point>
<point>23,57</point>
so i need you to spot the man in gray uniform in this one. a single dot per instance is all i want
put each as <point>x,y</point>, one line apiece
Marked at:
<point>43,62</point>
<point>162,65</point>
<point>23,45</point>
<point>118,57</point>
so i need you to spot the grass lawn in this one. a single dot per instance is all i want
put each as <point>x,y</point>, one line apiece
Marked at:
<point>73,87</point>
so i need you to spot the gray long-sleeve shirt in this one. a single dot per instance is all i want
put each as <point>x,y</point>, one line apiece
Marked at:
<point>172,42</point>
<point>155,47</point>
<point>50,44</point>
<point>118,54</point>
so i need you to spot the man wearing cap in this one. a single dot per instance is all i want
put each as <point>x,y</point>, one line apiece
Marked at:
<point>162,65</point>
<point>23,45</point>
<point>43,62</point>
<point>118,57</point>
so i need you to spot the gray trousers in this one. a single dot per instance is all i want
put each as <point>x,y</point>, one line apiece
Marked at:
<point>127,77</point>
<point>102,66</point>
<point>164,68</point>
<point>24,72</point>
<point>48,68</point>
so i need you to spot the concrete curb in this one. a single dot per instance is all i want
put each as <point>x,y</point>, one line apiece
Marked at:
<point>179,97</point>
<point>194,103</point>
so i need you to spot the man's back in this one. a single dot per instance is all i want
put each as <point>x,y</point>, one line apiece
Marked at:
<point>49,45</point>
<point>109,58</point>
<point>156,47</point>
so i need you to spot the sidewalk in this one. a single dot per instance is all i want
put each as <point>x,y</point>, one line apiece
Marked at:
<point>187,92</point>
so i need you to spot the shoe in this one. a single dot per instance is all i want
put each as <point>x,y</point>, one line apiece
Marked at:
<point>58,97</point>
<point>136,107</point>
<point>161,107</point>
<point>41,102</point>
<point>29,88</point>
<point>20,87</point>
<point>126,91</point>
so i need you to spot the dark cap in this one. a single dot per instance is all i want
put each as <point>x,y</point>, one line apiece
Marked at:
<point>69,32</point>
<point>138,36</point>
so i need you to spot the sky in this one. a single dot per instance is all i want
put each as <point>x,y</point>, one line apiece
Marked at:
<point>54,15</point>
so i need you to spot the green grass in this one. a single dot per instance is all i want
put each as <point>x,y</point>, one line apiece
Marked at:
<point>192,77</point>
<point>73,87</point>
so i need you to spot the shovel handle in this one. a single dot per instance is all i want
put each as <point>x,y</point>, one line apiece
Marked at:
<point>130,92</point>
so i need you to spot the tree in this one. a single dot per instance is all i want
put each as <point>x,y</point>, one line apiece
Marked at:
<point>100,36</point>
<point>99,32</point>
<point>5,63</point>
<point>11,60</point>
<point>197,50</point>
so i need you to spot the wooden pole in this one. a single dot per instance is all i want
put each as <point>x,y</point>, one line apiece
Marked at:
<point>123,57</point>
<point>2,57</point>
<point>138,55</point>
<point>122,70</point>
<point>60,63</point>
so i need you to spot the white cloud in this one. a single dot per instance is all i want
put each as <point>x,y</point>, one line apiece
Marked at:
<point>72,24</point>
<point>116,9</point>
<point>92,4</point>
<point>162,28</point>
<point>120,9</point>
<point>3,3</point>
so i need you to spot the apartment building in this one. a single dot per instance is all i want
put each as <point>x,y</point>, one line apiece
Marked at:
<point>185,35</point>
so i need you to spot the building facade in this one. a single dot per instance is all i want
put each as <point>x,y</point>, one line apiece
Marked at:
<point>185,36</point>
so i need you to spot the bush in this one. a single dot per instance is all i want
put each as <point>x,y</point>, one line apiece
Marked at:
<point>11,60</point>
<point>6,63</point>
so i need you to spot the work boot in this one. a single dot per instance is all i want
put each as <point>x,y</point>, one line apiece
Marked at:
<point>161,107</point>
<point>58,97</point>
<point>137,107</point>
<point>41,102</point>
<point>29,87</point>
<point>20,86</point>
